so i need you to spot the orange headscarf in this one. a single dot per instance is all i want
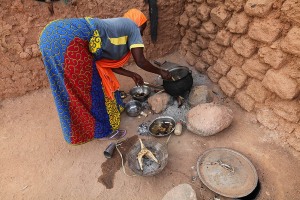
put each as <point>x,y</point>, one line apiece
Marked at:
<point>136,15</point>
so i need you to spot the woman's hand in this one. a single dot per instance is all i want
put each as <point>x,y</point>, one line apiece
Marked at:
<point>137,79</point>
<point>166,75</point>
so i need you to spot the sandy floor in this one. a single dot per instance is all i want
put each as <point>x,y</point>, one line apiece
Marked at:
<point>36,162</point>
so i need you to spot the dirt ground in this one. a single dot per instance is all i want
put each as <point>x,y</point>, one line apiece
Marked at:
<point>36,162</point>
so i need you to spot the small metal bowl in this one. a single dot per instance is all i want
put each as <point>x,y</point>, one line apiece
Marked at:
<point>140,93</point>
<point>162,126</point>
<point>133,108</point>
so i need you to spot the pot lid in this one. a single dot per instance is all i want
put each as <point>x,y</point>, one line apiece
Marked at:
<point>227,172</point>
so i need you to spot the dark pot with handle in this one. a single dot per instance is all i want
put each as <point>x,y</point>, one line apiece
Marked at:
<point>182,81</point>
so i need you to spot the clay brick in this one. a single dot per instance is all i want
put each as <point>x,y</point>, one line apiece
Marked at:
<point>291,43</point>
<point>214,2</point>
<point>210,27</point>
<point>290,11</point>
<point>237,77</point>
<point>207,57</point>
<point>245,101</point>
<point>215,49</point>
<point>219,15</point>
<point>294,142</point>
<point>255,69</point>
<point>190,58</point>
<point>203,12</point>
<point>257,91</point>
<point>238,23</point>
<point>201,66</point>
<point>284,86</point>
<point>190,10</point>
<point>289,110</point>
<point>267,118</point>
<point>184,20</point>
<point>274,57</point>
<point>202,32</point>
<point>201,42</point>
<point>221,67</point>
<point>234,5</point>
<point>223,38</point>
<point>227,87</point>
<point>265,30</point>
<point>182,31</point>
<point>192,36</point>
<point>285,126</point>
<point>232,59</point>
<point>199,1</point>
<point>213,75</point>
<point>258,8</point>
<point>194,22</point>
<point>292,69</point>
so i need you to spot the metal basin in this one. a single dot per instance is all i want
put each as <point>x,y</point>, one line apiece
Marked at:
<point>140,93</point>
<point>133,108</point>
<point>162,126</point>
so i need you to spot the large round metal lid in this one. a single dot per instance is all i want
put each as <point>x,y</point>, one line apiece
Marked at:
<point>227,172</point>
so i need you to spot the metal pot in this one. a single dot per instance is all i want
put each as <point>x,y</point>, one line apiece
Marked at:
<point>182,81</point>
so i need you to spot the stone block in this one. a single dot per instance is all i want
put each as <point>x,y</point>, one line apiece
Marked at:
<point>207,57</point>
<point>203,12</point>
<point>281,84</point>
<point>227,87</point>
<point>221,67</point>
<point>291,11</point>
<point>192,36</point>
<point>232,59</point>
<point>201,66</point>
<point>237,77</point>
<point>245,46</point>
<point>194,22</point>
<point>182,192</point>
<point>258,8</point>
<point>202,42</point>
<point>267,30</point>
<point>213,75</point>
<point>210,27</point>
<point>289,110</point>
<point>184,20</point>
<point>190,58</point>
<point>245,101</point>
<point>267,118</point>
<point>255,69</point>
<point>190,10</point>
<point>195,49</point>
<point>235,5</point>
<point>291,43</point>
<point>274,57</point>
<point>215,49</point>
<point>257,91</point>
<point>219,15</point>
<point>223,38</point>
<point>238,23</point>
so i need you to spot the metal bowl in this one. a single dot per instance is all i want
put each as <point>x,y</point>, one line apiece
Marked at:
<point>133,108</point>
<point>140,93</point>
<point>162,126</point>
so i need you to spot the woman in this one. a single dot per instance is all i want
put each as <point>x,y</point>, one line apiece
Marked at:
<point>80,56</point>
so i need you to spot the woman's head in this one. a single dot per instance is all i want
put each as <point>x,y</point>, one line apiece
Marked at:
<point>137,17</point>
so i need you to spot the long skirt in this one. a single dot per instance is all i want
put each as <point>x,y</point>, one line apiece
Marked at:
<point>85,112</point>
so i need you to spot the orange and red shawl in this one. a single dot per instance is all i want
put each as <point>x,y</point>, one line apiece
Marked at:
<point>109,80</point>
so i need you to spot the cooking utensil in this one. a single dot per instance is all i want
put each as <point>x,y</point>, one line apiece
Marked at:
<point>162,126</point>
<point>227,172</point>
<point>140,93</point>
<point>133,108</point>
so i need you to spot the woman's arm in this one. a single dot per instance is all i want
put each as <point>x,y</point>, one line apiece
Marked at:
<point>142,62</point>
<point>137,78</point>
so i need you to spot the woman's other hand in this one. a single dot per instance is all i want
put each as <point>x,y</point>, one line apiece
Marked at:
<point>138,79</point>
<point>166,75</point>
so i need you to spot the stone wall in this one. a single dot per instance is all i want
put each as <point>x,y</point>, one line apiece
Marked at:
<point>21,68</point>
<point>252,50</point>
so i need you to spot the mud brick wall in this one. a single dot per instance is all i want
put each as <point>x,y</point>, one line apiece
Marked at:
<point>21,68</point>
<point>251,48</point>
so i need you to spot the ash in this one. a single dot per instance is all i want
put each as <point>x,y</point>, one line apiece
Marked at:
<point>178,113</point>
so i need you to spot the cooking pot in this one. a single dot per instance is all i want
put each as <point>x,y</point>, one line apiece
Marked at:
<point>182,81</point>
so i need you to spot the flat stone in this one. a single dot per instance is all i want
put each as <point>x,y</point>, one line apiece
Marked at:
<point>181,192</point>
